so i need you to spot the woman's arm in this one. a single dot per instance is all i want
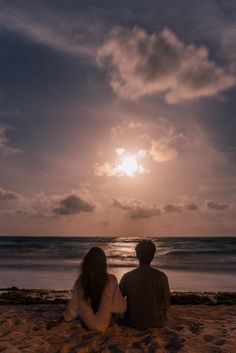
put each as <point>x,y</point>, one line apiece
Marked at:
<point>118,304</point>
<point>71,312</point>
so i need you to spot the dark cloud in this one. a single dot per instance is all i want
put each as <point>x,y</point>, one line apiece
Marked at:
<point>219,206</point>
<point>74,204</point>
<point>191,206</point>
<point>171,208</point>
<point>6,195</point>
<point>179,207</point>
<point>142,64</point>
<point>136,208</point>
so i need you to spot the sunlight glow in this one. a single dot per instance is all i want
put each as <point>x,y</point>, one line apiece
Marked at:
<point>128,164</point>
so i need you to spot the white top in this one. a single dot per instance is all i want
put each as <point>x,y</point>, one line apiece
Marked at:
<point>112,301</point>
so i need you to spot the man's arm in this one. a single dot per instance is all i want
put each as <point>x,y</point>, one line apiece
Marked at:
<point>122,286</point>
<point>166,293</point>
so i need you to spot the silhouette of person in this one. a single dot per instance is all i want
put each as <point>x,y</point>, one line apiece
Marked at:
<point>96,294</point>
<point>146,290</point>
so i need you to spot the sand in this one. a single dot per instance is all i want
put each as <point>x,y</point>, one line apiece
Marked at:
<point>191,328</point>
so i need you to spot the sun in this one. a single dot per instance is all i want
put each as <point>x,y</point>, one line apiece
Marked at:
<point>129,164</point>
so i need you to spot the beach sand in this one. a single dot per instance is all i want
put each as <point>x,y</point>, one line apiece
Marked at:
<point>191,329</point>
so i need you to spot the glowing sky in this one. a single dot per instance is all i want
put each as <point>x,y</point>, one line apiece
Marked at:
<point>118,118</point>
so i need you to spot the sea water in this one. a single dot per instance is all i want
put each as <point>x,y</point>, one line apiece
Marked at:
<point>191,263</point>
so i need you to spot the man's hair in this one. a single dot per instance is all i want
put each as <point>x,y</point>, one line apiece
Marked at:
<point>145,251</point>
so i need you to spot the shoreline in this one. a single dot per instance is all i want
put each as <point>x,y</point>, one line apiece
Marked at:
<point>18,296</point>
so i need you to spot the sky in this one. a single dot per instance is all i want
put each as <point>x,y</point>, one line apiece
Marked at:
<point>118,117</point>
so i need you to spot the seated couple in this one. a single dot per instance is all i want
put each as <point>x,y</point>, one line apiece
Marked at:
<point>143,294</point>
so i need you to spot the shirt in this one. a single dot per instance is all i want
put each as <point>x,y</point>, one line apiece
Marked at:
<point>148,295</point>
<point>112,301</point>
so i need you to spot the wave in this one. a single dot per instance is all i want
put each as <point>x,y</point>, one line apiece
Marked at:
<point>206,254</point>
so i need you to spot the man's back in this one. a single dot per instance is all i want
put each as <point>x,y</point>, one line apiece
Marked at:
<point>147,292</point>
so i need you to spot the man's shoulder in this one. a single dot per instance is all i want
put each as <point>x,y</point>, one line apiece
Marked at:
<point>137,272</point>
<point>158,272</point>
<point>129,274</point>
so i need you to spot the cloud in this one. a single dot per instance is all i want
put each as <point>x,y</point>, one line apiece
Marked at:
<point>74,204</point>
<point>168,208</point>
<point>218,206</point>
<point>165,148</point>
<point>5,148</point>
<point>136,208</point>
<point>68,33</point>
<point>105,169</point>
<point>47,206</point>
<point>141,64</point>
<point>6,195</point>
<point>161,152</point>
<point>124,126</point>
<point>227,35</point>
<point>180,207</point>
<point>188,203</point>
<point>161,148</point>
<point>36,204</point>
<point>191,206</point>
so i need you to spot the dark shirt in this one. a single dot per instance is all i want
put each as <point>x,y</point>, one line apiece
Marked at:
<point>148,296</point>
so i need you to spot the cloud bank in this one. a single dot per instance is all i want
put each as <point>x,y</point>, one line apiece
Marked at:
<point>218,206</point>
<point>141,64</point>
<point>136,208</point>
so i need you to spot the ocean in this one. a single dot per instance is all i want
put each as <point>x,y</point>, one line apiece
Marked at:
<point>191,263</point>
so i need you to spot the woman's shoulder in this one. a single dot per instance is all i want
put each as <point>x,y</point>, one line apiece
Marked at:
<point>112,279</point>
<point>77,284</point>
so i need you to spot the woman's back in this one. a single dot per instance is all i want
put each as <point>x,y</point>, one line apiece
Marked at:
<point>94,277</point>
<point>111,301</point>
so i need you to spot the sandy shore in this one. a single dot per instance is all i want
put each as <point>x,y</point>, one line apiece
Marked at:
<point>191,329</point>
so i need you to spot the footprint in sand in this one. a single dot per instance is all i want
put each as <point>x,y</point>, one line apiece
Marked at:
<point>196,327</point>
<point>208,338</point>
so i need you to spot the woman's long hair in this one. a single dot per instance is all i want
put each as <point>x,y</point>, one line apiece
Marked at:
<point>94,276</point>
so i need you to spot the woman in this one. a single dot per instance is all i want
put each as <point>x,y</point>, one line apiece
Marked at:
<point>96,294</point>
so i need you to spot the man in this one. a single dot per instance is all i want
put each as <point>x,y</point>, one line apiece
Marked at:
<point>146,290</point>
